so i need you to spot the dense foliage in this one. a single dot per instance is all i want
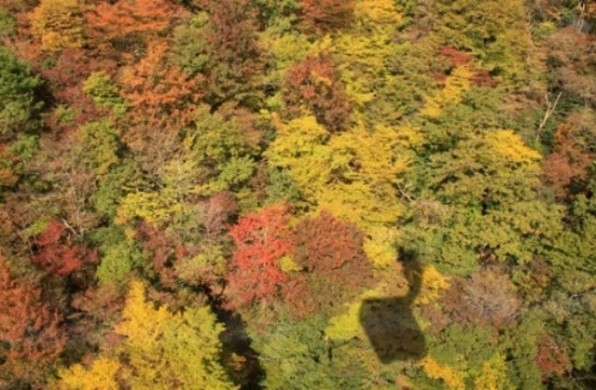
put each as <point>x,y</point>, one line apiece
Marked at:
<point>297,194</point>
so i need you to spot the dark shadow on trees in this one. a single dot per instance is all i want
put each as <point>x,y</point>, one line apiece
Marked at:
<point>390,324</point>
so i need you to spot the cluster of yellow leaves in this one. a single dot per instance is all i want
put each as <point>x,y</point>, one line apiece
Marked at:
<point>100,376</point>
<point>59,24</point>
<point>364,52</point>
<point>299,147</point>
<point>151,206</point>
<point>379,12</point>
<point>493,375</point>
<point>163,350</point>
<point>457,83</point>
<point>511,147</point>
<point>433,284</point>
<point>453,379</point>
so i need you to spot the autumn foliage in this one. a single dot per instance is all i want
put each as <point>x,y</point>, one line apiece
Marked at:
<point>326,15</point>
<point>58,24</point>
<point>218,211</point>
<point>156,87</point>
<point>330,254</point>
<point>234,53</point>
<point>567,168</point>
<point>55,251</point>
<point>118,19</point>
<point>314,84</point>
<point>261,240</point>
<point>30,332</point>
<point>551,358</point>
<point>438,157</point>
<point>477,301</point>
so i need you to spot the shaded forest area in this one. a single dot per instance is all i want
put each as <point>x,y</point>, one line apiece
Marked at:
<point>297,194</point>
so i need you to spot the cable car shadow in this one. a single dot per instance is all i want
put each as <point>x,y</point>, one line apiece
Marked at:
<point>390,324</point>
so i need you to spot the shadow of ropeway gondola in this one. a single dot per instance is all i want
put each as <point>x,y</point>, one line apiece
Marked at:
<point>390,324</point>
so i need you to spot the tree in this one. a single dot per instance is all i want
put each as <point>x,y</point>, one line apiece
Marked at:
<point>104,93</point>
<point>119,255</point>
<point>261,240</point>
<point>218,211</point>
<point>326,15</point>
<point>487,298</point>
<point>103,374</point>
<point>119,19</point>
<point>30,332</point>
<point>568,167</point>
<point>59,24</point>
<point>100,146</point>
<point>234,52</point>
<point>314,84</point>
<point>19,107</point>
<point>551,358</point>
<point>161,247</point>
<point>222,149</point>
<point>160,350</point>
<point>334,267</point>
<point>154,86</point>
<point>55,251</point>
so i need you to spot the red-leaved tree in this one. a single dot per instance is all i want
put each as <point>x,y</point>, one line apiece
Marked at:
<point>261,240</point>
<point>55,252</point>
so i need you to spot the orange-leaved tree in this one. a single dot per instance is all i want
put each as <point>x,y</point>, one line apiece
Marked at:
<point>118,19</point>
<point>30,334</point>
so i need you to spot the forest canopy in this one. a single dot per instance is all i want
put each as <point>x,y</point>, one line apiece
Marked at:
<point>297,194</point>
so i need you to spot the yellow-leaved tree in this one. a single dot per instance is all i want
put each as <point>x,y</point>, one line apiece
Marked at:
<point>354,175</point>
<point>161,350</point>
<point>59,24</point>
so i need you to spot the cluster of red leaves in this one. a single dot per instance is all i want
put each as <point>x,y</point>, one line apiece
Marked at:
<point>314,84</point>
<point>29,331</point>
<point>326,15</point>
<point>454,56</point>
<point>551,359</point>
<point>481,78</point>
<point>55,252</point>
<point>334,266</point>
<point>331,267</point>
<point>261,240</point>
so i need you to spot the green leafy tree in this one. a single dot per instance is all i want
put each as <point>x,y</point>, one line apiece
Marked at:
<point>19,106</point>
